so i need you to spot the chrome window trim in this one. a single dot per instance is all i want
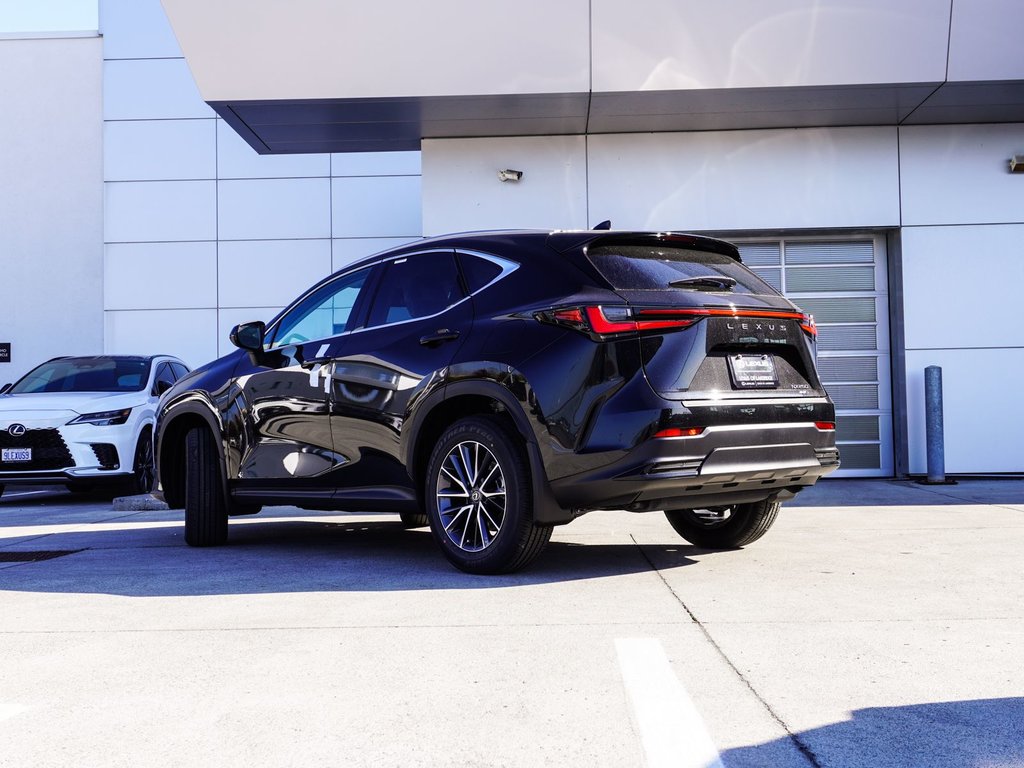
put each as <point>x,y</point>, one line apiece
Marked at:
<point>507,267</point>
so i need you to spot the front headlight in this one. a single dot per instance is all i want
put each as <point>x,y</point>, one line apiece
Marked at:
<point>103,418</point>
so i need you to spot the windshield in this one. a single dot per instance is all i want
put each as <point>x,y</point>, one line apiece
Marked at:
<point>85,374</point>
<point>657,267</point>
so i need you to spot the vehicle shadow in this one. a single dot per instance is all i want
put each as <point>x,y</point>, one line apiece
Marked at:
<point>145,559</point>
<point>955,734</point>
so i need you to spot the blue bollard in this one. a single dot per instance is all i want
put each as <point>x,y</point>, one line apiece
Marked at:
<point>933,424</point>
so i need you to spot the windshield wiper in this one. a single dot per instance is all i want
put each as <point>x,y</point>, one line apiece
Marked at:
<point>705,281</point>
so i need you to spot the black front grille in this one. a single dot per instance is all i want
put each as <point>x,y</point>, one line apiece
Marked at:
<point>106,455</point>
<point>49,450</point>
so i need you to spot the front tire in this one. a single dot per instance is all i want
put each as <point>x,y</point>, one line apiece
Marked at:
<point>206,513</point>
<point>479,498</point>
<point>143,469</point>
<point>414,519</point>
<point>726,528</point>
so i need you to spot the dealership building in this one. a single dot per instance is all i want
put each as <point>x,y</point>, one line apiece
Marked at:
<point>193,165</point>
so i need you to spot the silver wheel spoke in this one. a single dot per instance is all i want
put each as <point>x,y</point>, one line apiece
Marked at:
<point>491,519</point>
<point>489,476</point>
<point>485,539</point>
<point>456,517</point>
<point>462,484</point>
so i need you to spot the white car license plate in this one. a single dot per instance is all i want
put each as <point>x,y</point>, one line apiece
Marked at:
<point>16,454</point>
<point>753,371</point>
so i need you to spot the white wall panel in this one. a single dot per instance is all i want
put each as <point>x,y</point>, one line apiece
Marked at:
<point>328,50</point>
<point>367,206</point>
<point>347,250</point>
<point>150,89</point>
<point>153,211</point>
<point>979,269</point>
<point>136,29</point>
<point>376,164</point>
<point>188,333</point>
<point>985,40</point>
<point>159,149</point>
<point>958,174</point>
<point>983,425</point>
<point>461,189</point>
<point>271,272</point>
<point>160,275</point>
<point>237,160</point>
<point>272,209</point>
<point>51,203</point>
<point>680,44</point>
<point>806,178</point>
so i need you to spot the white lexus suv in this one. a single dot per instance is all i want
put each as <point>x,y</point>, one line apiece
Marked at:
<point>84,421</point>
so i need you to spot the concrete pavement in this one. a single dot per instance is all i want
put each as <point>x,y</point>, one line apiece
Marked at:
<point>878,623</point>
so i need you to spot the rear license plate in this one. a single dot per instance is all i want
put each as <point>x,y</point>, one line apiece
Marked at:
<point>753,371</point>
<point>16,454</point>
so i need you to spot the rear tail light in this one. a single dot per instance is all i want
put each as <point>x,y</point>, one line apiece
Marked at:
<point>825,426</point>
<point>807,323</point>
<point>606,320</point>
<point>611,320</point>
<point>680,432</point>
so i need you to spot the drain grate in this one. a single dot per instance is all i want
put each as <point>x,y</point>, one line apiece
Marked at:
<point>32,555</point>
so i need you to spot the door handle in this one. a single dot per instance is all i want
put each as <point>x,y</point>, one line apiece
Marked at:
<point>315,362</point>
<point>440,336</point>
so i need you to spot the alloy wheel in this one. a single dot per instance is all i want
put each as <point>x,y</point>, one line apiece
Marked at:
<point>471,496</point>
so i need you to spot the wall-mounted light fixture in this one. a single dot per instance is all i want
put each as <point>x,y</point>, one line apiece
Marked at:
<point>509,175</point>
<point>1017,164</point>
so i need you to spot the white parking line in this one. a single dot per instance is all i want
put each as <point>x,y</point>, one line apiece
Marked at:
<point>672,731</point>
<point>10,495</point>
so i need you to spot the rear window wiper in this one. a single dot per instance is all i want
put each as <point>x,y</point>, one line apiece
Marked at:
<point>705,281</point>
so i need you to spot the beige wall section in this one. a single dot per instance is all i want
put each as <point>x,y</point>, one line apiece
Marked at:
<point>793,179</point>
<point>310,49</point>
<point>51,199</point>
<point>462,191</point>
<point>666,44</point>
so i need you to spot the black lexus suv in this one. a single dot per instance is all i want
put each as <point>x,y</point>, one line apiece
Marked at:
<point>494,385</point>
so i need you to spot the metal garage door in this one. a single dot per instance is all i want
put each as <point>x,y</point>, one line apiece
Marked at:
<point>842,282</point>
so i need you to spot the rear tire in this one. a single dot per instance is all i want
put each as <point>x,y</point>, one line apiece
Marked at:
<point>479,498</point>
<point>737,526</point>
<point>206,513</point>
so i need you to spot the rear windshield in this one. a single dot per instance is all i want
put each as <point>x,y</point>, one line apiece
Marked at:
<point>85,375</point>
<point>655,267</point>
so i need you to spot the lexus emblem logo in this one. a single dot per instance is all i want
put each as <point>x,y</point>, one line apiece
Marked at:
<point>16,430</point>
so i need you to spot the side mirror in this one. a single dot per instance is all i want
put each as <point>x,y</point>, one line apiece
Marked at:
<point>162,386</point>
<point>249,336</point>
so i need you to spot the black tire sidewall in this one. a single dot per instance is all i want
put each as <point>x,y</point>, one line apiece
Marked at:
<point>137,483</point>
<point>747,523</point>
<point>503,553</point>
<point>206,516</point>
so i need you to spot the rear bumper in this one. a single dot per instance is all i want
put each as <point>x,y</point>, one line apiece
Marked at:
<point>723,465</point>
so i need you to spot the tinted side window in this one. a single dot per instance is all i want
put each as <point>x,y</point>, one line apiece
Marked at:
<point>322,314</point>
<point>417,286</point>
<point>179,370</point>
<point>478,272</point>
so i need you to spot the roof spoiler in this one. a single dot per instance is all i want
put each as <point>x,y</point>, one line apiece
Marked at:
<point>566,241</point>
